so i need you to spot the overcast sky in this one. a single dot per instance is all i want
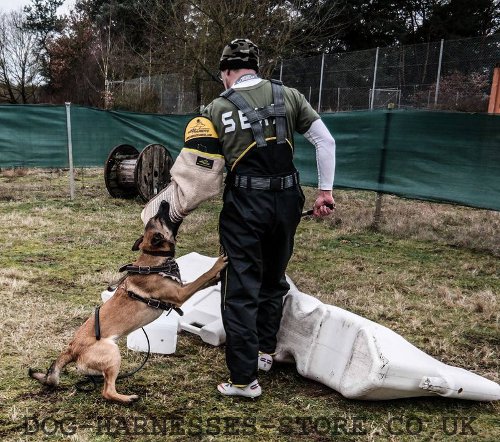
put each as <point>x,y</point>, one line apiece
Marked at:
<point>11,5</point>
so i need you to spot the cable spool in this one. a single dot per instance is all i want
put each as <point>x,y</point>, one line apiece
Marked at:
<point>128,173</point>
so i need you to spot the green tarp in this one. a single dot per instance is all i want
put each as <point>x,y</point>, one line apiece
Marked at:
<point>441,156</point>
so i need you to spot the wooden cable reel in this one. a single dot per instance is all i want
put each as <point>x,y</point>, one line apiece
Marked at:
<point>128,173</point>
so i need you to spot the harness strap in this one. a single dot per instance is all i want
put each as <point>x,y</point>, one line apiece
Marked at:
<point>169,253</point>
<point>170,270</point>
<point>255,116</point>
<point>97,325</point>
<point>279,109</point>
<point>155,303</point>
<point>251,114</point>
<point>144,270</point>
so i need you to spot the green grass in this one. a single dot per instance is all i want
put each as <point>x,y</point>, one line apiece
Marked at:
<point>431,273</point>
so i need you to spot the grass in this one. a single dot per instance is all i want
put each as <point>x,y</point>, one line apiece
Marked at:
<point>430,273</point>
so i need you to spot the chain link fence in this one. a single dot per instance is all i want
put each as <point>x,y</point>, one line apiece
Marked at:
<point>167,94</point>
<point>451,75</point>
<point>448,75</point>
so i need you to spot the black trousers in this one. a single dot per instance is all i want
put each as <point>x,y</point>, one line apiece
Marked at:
<point>257,229</point>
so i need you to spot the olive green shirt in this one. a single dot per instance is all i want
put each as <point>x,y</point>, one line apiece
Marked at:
<point>233,128</point>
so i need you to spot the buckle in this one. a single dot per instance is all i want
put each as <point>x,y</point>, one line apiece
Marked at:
<point>276,183</point>
<point>155,303</point>
<point>144,270</point>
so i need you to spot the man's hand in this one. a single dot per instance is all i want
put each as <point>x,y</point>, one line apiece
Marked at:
<point>324,197</point>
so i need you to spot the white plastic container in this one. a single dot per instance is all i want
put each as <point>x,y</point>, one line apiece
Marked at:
<point>202,315</point>
<point>365,360</point>
<point>162,335</point>
<point>106,294</point>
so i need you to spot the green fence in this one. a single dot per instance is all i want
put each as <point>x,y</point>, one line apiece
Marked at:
<point>439,156</point>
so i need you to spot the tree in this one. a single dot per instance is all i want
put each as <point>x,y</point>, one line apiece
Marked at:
<point>73,70</point>
<point>188,36</point>
<point>454,19</point>
<point>360,24</point>
<point>42,19</point>
<point>20,63</point>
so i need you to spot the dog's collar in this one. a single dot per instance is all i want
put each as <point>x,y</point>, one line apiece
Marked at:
<point>169,253</point>
<point>155,303</point>
<point>168,270</point>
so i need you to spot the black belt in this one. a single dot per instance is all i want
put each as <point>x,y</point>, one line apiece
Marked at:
<point>266,183</point>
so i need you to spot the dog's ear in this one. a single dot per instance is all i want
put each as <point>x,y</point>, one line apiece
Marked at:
<point>158,240</point>
<point>137,243</point>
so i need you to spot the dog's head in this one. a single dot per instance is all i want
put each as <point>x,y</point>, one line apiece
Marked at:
<point>160,232</point>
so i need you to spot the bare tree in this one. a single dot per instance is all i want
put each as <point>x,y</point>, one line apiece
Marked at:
<point>176,44</point>
<point>20,63</point>
<point>190,34</point>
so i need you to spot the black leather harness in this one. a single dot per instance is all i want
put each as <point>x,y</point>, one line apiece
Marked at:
<point>170,269</point>
<point>155,303</point>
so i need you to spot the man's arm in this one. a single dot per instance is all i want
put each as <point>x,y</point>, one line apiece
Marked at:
<point>319,136</point>
<point>196,173</point>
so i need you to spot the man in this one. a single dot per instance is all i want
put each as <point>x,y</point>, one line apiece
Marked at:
<point>249,130</point>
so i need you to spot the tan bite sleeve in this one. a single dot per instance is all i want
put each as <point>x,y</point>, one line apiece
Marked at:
<point>196,177</point>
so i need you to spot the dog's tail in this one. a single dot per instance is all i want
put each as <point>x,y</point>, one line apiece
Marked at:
<point>51,378</point>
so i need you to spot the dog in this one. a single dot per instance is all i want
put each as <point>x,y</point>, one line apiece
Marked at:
<point>93,347</point>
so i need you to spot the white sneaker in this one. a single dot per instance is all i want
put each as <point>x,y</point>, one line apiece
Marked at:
<point>251,390</point>
<point>265,361</point>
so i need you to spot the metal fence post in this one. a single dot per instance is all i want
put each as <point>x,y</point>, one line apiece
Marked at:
<point>321,81</point>
<point>439,72</point>
<point>378,201</point>
<point>382,171</point>
<point>70,151</point>
<point>281,71</point>
<point>372,98</point>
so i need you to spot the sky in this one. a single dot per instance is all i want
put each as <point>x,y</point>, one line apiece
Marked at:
<point>14,5</point>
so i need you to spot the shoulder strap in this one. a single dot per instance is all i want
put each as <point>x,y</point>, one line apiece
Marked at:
<point>252,115</point>
<point>255,116</point>
<point>279,111</point>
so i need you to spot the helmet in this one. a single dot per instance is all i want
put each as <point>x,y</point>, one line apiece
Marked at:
<point>240,54</point>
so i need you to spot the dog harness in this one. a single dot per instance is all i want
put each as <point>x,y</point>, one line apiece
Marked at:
<point>170,269</point>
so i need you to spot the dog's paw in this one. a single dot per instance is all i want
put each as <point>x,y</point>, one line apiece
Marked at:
<point>127,399</point>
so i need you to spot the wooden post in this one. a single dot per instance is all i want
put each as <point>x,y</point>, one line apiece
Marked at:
<point>494,104</point>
